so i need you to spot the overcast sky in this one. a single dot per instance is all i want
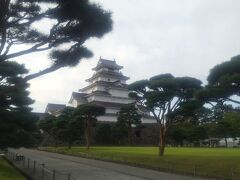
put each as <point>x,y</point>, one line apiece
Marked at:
<point>185,38</point>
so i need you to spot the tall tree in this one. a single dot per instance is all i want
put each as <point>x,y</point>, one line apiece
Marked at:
<point>69,24</point>
<point>191,133</point>
<point>233,119</point>
<point>88,113</point>
<point>17,124</point>
<point>48,126</point>
<point>222,93</point>
<point>104,134</point>
<point>69,128</point>
<point>65,128</point>
<point>223,83</point>
<point>164,95</point>
<point>128,116</point>
<point>227,127</point>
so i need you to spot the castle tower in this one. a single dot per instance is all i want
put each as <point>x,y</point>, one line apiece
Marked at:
<point>107,87</point>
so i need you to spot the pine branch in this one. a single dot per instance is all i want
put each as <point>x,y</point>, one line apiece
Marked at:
<point>41,73</point>
<point>3,28</point>
<point>176,104</point>
<point>27,51</point>
<point>8,48</point>
<point>234,101</point>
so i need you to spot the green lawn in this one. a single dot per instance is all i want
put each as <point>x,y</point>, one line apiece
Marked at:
<point>9,173</point>
<point>212,162</point>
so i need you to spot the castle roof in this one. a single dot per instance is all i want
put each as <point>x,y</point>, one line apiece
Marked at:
<point>104,63</point>
<point>116,84</point>
<point>107,104</point>
<point>78,97</point>
<point>102,93</point>
<point>108,74</point>
<point>54,108</point>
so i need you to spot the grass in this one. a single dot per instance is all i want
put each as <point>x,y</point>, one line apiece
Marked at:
<point>208,162</point>
<point>8,172</point>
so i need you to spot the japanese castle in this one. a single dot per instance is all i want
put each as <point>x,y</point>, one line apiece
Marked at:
<point>107,87</point>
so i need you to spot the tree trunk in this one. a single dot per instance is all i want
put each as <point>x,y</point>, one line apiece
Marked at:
<point>4,8</point>
<point>130,139</point>
<point>69,144</point>
<point>226,143</point>
<point>130,135</point>
<point>162,140</point>
<point>87,134</point>
<point>55,142</point>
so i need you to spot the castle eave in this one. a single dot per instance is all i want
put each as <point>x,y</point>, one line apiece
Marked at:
<point>78,97</point>
<point>108,104</point>
<point>108,74</point>
<point>107,84</point>
<point>102,63</point>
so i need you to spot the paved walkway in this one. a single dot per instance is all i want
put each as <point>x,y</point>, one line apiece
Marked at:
<point>89,169</point>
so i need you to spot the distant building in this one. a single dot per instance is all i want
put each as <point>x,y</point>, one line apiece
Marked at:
<point>107,87</point>
<point>54,109</point>
<point>230,142</point>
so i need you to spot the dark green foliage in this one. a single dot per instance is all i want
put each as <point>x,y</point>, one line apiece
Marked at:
<point>139,86</point>
<point>69,128</point>
<point>222,93</point>
<point>87,113</point>
<point>70,24</point>
<point>187,134</point>
<point>128,116</point>
<point>168,98</point>
<point>233,119</point>
<point>120,134</point>
<point>65,128</point>
<point>223,83</point>
<point>211,94</point>
<point>192,109</point>
<point>17,123</point>
<point>196,133</point>
<point>227,126</point>
<point>176,135</point>
<point>18,130</point>
<point>71,124</point>
<point>13,93</point>
<point>48,125</point>
<point>105,134</point>
<point>223,70</point>
<point>89,110</point>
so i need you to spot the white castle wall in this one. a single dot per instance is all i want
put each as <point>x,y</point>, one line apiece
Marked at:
<point>114,119</point>
<point>118,93</point>
<point>107,118</point>
<point>109,99</point>
<point>95,88</point>
<point>107,79</point>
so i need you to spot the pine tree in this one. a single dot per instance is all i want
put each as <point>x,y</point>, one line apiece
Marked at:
<point>73,23</point>
<point>17,123</point>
